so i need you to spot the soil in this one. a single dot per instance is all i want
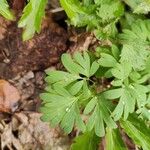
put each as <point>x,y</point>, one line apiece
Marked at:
<point>18,57</point>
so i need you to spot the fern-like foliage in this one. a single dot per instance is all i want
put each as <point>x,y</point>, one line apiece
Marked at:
<point>32,18</point>
<point>125,63</point>
<point>70,95</point>
<point>139,6</point>
<point>4,10</point>
<point>104,15</point>
<point>131,94</point>
<point>136,44</point>
<point>138,131</point>
<point>67,87</point>
<point>74,92</point>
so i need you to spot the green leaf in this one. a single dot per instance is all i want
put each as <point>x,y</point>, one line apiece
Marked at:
<point>96,122</point>
<point>71,7</point>
<point>125,105</point>
<point>110,10</point>
<point>135,44</point>
<point>70,65</point>
<point>139,6</point>
<point>79,14</point>
<point>107,60</point>
<point>61,108</point>
<point>86,141</point>
<point>116,52</point>
<point>94,68</point>
<point>99,116</point>
<point>101,71</point>
<point>135,76</point>
<point>87,2</point>
<point>144,78</point>
<point>139,93</point>
<point>76,87</point>
<point>79,59</point>
<point>144,113</point>
<point>116,83</point>
<point>134,55</point>
<point>4,10</point>
<point>61,77</point>
<point>122,71</point>
<point>79,122</point>
<point>32,18</point>
<point>87,61</point>
<point>147,64</point>
<point>90,106</point>
<point>79,64</point>
<point>68,119</point>
<point>137,131</point>
<point>114,140</point>
<point>61,90</point>
<point>86,93</point>
<point>113,94</point>
<point>130,96</point>
<point>107,31</point>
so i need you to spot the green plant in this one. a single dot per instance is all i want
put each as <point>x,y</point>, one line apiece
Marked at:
<point>104,15</point>
<point>31,17</point>
<point>4,10</point>
<point>74,98</point>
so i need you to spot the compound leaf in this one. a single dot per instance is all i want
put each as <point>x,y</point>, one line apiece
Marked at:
<point>32,18</point>
<point>110,10</point>
<point>138,6</point>
<point>130,96</point>
<point>135,44</point>
<point>4,10</point>
<point>80,64</point>
<point>137,131</point>
<point>100,115</point>
<point>61,108</point>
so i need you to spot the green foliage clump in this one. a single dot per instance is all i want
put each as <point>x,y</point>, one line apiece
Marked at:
<point>70,94</point>
<point>4,10</point>
<point>31,18</point>
<point>104,14</point>
<point>100,16</point>
<point>139,6</point>
<point>74,98</point>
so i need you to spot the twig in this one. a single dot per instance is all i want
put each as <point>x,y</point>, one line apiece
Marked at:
<point>59,9</point>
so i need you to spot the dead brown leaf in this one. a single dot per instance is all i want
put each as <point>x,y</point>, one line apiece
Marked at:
<point>26,131</point>
<point>9,97</point>
<point>81,42</point>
